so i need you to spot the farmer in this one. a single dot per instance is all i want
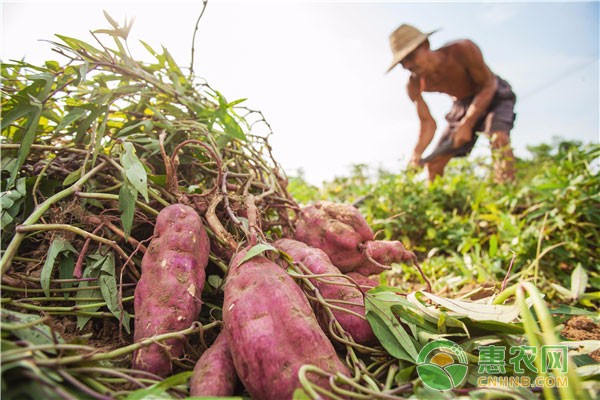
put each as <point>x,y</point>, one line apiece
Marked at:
<point>483,102</point>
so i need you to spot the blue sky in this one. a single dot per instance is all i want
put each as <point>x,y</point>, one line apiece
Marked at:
<point>317,70</point>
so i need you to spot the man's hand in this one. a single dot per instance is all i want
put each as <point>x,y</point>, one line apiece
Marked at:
<point>462,135</point>
<point>415,161</point>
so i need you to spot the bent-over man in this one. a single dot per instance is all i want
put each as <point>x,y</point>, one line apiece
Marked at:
<point>483,102</point>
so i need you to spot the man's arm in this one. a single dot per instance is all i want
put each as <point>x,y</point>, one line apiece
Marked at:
<point>427,123</point>
<point>470,56</point>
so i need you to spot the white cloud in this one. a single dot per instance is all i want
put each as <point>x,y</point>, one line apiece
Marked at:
<point>498,13</point>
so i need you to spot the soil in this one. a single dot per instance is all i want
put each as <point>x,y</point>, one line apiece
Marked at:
<point>583,328</point>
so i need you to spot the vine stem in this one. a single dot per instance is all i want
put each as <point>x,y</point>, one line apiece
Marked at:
<point>13,246</point>
<point>196,327</point>
<point>22,229</point>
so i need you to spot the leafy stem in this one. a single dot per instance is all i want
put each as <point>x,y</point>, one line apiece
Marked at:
<point>13,246</point>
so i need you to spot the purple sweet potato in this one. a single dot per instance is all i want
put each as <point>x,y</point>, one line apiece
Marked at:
<point>337,229</point>
<point>272,330</point>
<point>381,253</point>
<point>344,235</point>
<point>214,374</point>
<point>332,288</point>
<point>167,296</point>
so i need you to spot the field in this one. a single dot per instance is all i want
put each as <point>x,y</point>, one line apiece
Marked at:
<point>94,147</point>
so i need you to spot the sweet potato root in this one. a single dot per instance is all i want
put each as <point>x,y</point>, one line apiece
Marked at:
<point>214,374</point>
<point>272,330</point>
<point>337,229</point>
<point>332,288</point>
<point>344,235</point>
<point>381,253</point>
<point>167,297</point>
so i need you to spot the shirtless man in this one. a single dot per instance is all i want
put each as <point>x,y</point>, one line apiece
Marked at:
<point>483,102</point>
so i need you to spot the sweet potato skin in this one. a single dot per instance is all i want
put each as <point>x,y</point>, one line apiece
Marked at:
<point>167,296</point>
<point>382,253</point>
<point>335,288</point>
<point>214,374</point>
<point>272,330</point>
<point>337,229</point>
<point>344,235</point>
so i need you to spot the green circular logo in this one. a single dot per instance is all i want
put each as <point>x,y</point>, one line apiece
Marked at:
<point>442,365</point>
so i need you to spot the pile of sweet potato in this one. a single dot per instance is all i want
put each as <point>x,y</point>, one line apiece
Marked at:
<point>270,329</point>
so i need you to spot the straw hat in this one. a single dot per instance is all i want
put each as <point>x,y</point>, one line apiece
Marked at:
<point>404,40</point>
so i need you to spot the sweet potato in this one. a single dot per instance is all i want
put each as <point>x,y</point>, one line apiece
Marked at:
<point>344,235</point>
<point>272,330</point>
<point>332,288</point>
<point>167,296</point>
<point>214,374</point>
<point>381,253</point>
<point>337,229</point>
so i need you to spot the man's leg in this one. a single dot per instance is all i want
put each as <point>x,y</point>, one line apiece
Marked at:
<point>437,165</point>
<point>502,154</point>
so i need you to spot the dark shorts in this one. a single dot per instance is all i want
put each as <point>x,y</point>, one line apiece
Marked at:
<point>500,116</point>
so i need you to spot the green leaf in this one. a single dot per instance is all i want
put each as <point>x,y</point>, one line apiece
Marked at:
<point>11,202</point>
<point>72,177</point>
<point>227,121</point>
<point>110,20</point>
<point>442,319</point>
<point>563,290</point>
<point>52,65</point>
<point>37,334</point>
<point>59,245</point>
<point>127,198</point>
<point>579,279</point>
<point>77,44</point>
<point>66,265</point>
<point>387,331</point>
<point>134,170</point>
<point>496,326</point>
<point>256,250</point>
<point>476,311</point>
<point>20,110</point>
<point>493,245</point>
<point>230,125</point>
<point>150,49</point>
<point>235,103</point>
<point>159,389</point>
<point>73,115</point>
<point>26,142</point>
<point>392,335</point>
<point>215,281</point>
<point>300,394</point>
<point>110,293</point>
<point>564,309</point>
<point>94,264</point>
